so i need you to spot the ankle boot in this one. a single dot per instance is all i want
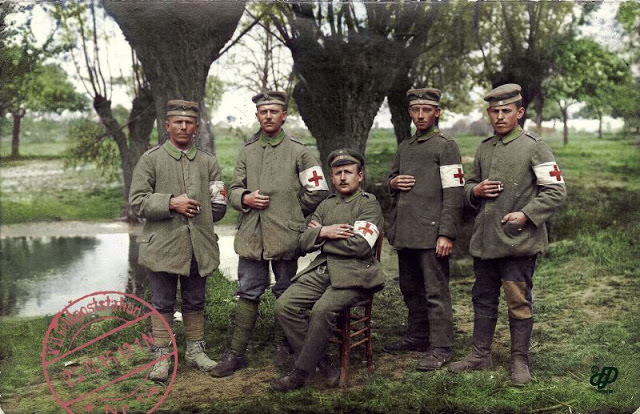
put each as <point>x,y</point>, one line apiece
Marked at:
<point>162,341</point>
<point>194,334</point>
<point>480,358</point>
<point>520,339</point>
<point>243,323</point>
<point>294,380</point>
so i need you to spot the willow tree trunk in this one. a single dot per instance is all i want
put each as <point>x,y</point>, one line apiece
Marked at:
<point>140,125</point>
<point>341,88</point>
<point>205,133</point>
<point>176,42</point>
<point>397,100</point>
<point>15,135</point>
<point>565,124</point>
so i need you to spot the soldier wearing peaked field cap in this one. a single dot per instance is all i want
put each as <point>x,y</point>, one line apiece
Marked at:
<point>178,107</point>
<point>504,95</point>
<point>277,182</point>
<point>178,190</point>
<point>345,156</point>
<point>345,228</point>
<point>426,185</point>
<point>424,96</point>
<point>270,98</point>
<point>515,187</point>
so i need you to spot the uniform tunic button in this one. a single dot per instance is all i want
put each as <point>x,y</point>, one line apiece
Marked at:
<point>433,223</point>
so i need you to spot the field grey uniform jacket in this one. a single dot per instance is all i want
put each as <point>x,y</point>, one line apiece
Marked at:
<point>351,262</point>
<point>286,171</point>
<point>168,239</point>
<point>533,184</point>
<point>433,207</point>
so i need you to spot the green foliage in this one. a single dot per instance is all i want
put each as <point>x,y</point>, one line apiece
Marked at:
<point>629,18</point>
<point>214,90</point>
<point>90,144</point>
<point>95,204</point>
<point>586,71</point>
<point>50,91</point>
<point>27,83</point>
<point>518,41</point>
<point>626,103</point>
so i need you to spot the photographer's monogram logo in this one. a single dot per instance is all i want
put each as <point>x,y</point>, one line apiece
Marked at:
<point>603,377</point>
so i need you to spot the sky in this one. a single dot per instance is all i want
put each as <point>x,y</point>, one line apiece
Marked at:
<point>236,102</point>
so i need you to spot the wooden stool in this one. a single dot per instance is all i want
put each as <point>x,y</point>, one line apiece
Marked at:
<point>354,328</point>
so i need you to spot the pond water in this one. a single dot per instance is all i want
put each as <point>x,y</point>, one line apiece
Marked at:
<point>40,274</point>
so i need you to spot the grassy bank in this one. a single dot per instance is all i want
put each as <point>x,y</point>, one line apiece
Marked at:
<point>586,293</point>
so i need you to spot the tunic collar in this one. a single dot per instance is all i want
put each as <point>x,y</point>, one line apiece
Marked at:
<point>512,135</point>
<point>351,197</point>
<point>273,141</point>
<point>423,136</point>
<point>175,153</point>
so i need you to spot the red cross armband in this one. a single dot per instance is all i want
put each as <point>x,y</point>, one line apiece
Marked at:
<point>218,192</point>
<point>548,173</point>
<point>312,179</point>
<point>451,175</point>
<point>367,230</point>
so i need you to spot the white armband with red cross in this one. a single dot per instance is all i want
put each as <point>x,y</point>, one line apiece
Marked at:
<point>451,175</point>
<point>548,173</point>
<point>367,230</point>
<point>217,192</point>
<point>312,179</point>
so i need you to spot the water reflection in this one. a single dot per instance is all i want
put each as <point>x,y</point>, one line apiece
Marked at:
<point>39,275</point>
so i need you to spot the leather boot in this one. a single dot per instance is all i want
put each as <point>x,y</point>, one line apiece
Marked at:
<point>194,334</point>
<point>229,363</point>
<point>520,338</point>
<point>434,359</point>
<point>162,341</point>
<point>244,320</point>
<point>294,380</point>
<point>480,358</point>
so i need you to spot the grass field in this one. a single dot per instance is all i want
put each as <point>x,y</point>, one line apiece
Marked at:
<point>586,292</point>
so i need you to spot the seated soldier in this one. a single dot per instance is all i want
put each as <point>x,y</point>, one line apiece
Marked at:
<point>345,227</point>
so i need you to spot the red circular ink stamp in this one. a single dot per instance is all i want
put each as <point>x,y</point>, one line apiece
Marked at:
<point>95,355</point>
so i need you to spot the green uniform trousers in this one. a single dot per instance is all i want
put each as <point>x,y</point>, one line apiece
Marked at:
<point>424,283</point>
<point>307,312</point>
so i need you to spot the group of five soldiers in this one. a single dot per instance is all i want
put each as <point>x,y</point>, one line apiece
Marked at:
<point>286,210</point>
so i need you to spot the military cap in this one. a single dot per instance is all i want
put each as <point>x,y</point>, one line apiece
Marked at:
<point>345,156</point>
<point>182,108</point>
<point>270,97</point>
<point>424,96</point>
<point>504,94</point>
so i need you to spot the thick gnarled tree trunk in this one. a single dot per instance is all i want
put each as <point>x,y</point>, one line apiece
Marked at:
<point>176,42</point>
<point>140,124</point>
<point>340,90</point>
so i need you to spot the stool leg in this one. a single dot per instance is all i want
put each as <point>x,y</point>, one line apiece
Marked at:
<point>345,347</point>
<point>370,365</point>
